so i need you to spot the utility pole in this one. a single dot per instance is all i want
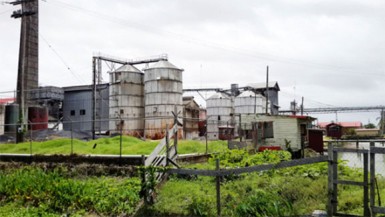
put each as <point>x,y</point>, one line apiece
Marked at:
<point>27,75</point>
<point>267,89</point>
<point>302,107</point>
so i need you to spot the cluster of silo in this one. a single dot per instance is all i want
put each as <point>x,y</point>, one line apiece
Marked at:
<point>126,101</point>
<point>163,88</point>
<point>141,103</point>
<point>219,107</point>
<point>249,102</point>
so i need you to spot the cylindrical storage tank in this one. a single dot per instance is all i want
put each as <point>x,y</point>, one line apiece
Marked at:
<point>11,118</point>
<point>2,115</point>
<point>163,94</point>
<point>219,107</point>
<point>249,103</point>
<point>126,101</point>
<point>37,118</point>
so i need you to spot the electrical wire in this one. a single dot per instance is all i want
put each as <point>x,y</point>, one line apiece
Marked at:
<point>62,59</point>
<point>232,49</point>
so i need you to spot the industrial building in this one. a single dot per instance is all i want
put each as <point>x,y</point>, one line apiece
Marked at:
<point>191,112</point>
<point>78,108</point>
<point>225,106</point>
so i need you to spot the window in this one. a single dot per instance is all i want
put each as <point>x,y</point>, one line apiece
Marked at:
<point>268,131</point>
<point>82,111</point>
<point>219,117</point>
<point>72,113</point>
<point>121,111</point>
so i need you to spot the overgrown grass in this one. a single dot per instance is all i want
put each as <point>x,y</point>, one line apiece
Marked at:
<point>283,192</point>
<point>130,145</point>
<point>32,191</point>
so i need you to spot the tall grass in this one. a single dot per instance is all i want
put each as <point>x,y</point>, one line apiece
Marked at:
<point>52,192</point>
<point>130,145</point>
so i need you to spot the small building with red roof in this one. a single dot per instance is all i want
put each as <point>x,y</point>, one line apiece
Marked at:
<point>338,129</point>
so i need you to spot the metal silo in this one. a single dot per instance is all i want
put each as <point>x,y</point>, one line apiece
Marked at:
<point>11,118</point>
<point>163,94</point>
<point>37,118</point>
<point>219,107</point>
<point>126,101</point>
<point>249,102</point>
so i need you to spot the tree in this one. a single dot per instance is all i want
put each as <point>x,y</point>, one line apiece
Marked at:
<point>369,126</point>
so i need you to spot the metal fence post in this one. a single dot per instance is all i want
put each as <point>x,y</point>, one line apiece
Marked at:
<point>30,138</point>
<point>167,146</point>
<point>330,204</point>
<point>218,188</point>
<point>372,195</point>
<point>72,139</point>
<point>366,190</point>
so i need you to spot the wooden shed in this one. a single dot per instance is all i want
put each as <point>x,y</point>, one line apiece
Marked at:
<point>278,130</point>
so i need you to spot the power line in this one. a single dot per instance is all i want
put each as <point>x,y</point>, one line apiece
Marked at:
<point>61,59</point>
<point>232,49</point>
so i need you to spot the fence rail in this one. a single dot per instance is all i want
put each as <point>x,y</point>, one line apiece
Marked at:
<point>258,168</point>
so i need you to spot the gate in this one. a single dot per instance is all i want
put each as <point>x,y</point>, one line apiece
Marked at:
<point>368,185</point>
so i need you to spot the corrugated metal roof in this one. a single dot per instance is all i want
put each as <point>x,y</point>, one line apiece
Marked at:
<point>355,124</point>
<point>127,68</point>
<point>163,64</point>
<point>262,85</point>
<point>7,100</point>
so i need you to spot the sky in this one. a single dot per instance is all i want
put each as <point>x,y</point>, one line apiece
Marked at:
<point>329,52</point>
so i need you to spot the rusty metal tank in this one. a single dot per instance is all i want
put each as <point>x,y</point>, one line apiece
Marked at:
<point>11,118</point>
<point>37,118</point>
<point>163,88</point>
<point>126,101</point>
<point>219,107</point>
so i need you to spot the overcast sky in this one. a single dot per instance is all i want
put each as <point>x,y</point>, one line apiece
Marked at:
<point>330,52</point>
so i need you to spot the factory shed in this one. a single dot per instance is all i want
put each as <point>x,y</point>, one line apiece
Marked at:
<point>77,108</point>
<point>190,118</point>
<point>277,131</point>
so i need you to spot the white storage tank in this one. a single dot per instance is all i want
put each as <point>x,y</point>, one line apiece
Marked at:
<point>249,103</point>
<point>126,101</point>
<point>219,107</point>
<point>163,94</point>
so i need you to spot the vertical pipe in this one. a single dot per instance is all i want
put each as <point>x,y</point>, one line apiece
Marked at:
<point>93,96</point>
<point>302,107</point>
<point>218,188</point>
